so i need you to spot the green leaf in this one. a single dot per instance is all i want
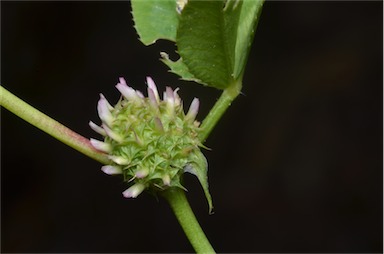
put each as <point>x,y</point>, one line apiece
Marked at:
<point>249,17</point>
<point>214,37</point>
<point>201,44</point>
<point>155,19</point>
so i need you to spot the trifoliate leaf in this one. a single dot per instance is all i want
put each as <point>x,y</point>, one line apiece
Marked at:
<point>213,37</point>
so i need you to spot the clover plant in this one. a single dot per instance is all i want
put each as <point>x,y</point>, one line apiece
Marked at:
<point>153,140</point>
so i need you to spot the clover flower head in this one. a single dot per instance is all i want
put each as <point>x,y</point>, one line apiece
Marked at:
<point>149,140</point>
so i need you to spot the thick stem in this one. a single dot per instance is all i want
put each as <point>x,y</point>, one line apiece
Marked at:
<point>225,100</point>
<point>184,214</point>
<point>50,126</point>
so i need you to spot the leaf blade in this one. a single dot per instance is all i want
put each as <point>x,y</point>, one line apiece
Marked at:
<point>201,44</point>
<point>155,20</point>
<point>248,20</point>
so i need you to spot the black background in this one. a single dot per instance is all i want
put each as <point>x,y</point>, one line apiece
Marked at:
<point>296,162</point>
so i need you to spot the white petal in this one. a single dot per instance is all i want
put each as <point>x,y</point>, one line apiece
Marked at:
<point>193,109</point>
<point>104,110</point>
<point>119,160</point>
<point>97,128</point>
<point>170,98</point>
<point>134,190</point>
<point>151,84</point>
<point>166,180</point>
<point>113,135</point>
<point>101,146</point>
<point>111,170</point>
<point>152,99</point>
<point>122,81</point>
<point>142,173</point>
<point>128,92</point>
<point>140,94</point>
<point>177,97</point>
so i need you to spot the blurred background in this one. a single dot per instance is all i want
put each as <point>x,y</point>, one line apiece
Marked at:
<point>296,162</point>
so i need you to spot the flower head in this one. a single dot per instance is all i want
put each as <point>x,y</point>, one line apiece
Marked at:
<point>150,141</point>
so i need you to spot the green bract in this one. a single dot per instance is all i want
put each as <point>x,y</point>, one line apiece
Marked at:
<point>152,142</point>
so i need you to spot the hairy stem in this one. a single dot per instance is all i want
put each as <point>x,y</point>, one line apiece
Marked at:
<point>184,214</point>
<point>50,126</point>
<point>222,104</point>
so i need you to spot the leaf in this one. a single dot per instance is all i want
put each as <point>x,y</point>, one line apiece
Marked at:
<point>214,37</point>
<point>201,44</point>
<point>249,17</point>
<point>155,19</point>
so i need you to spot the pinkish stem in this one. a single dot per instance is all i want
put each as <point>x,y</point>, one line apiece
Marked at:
<point>50,126</point>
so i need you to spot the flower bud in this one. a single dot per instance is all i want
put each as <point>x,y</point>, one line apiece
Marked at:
<point>193,109</point>
<point>103,108</point>
<point>111,170</point>
<point>97,128</point>
<point>141,173</point>
<point>101,146</point>
<point>152,86</point>
<point>134,190</point>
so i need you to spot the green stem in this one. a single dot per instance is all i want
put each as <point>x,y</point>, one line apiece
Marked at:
<point>184,214</point>
<point>50,126</point>
<point>225,100</point>
<point>176,197</point>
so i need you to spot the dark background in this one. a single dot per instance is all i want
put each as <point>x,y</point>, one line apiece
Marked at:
<point>296,162</point>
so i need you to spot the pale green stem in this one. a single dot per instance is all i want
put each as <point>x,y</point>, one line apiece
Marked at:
<point>222,104</point>
<point>50,126</point>
<point>184,214</point>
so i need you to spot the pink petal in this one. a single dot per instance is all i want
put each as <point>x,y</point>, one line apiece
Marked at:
<point>134,190</point>
<point>119,160</point>
<point>142,173</point>
<point>111,170</point>
<point>128,92</point>
<point>97,128</point>
<point>151,84</point>
<point>101,146</point>
<point>193,109</point>
<point>104,110</point>
<point>113,135</point>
